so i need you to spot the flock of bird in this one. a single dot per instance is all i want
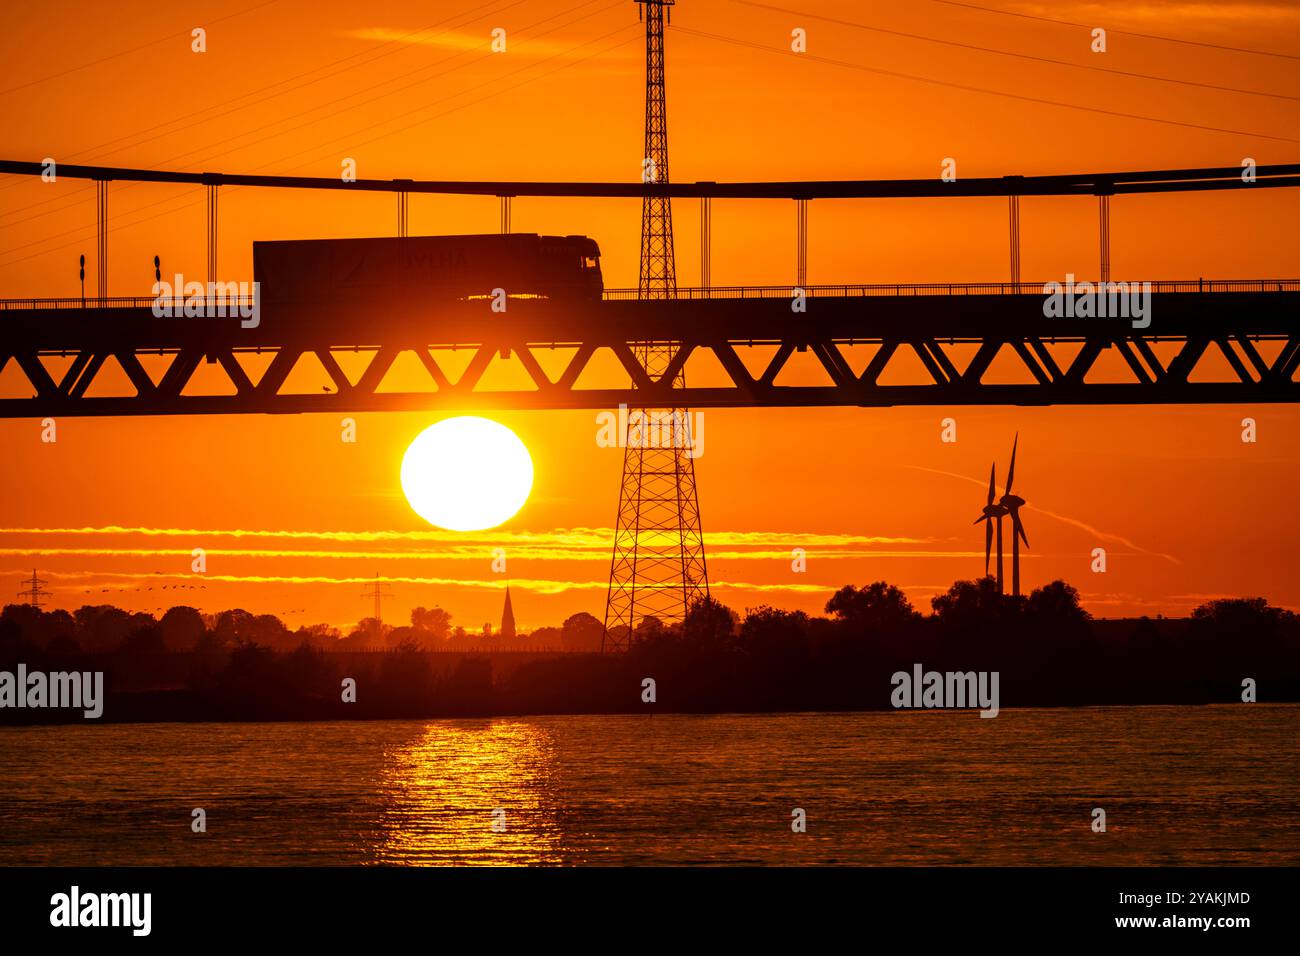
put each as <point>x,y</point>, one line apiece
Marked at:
<point>174,587</point>
<point>179,587</point>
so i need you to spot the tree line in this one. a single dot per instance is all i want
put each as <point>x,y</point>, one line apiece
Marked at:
<point>1048,650</point>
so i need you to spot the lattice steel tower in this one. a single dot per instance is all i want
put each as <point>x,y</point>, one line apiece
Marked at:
<point>33,593</point>
<point>377,593</point>
<point>658,568</point>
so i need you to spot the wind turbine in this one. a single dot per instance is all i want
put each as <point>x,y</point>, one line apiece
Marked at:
<point>992,511</point>
<point>1011,504</point>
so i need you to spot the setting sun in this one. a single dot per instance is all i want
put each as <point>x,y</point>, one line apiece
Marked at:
<point>467,474</point>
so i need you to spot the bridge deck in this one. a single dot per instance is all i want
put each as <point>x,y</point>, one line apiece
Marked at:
<point>691,293</point>
<point>1252,325</point>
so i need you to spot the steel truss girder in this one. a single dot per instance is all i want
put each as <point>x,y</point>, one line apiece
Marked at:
<point>1231,325</point>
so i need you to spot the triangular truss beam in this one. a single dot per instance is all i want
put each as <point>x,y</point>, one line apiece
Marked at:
<point>1244,356</point>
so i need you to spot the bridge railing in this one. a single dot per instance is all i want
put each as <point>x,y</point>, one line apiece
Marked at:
<point>955,288</point>
<point>176,305</point>
<point>727,292</point>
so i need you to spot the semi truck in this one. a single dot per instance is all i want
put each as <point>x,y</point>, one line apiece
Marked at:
<point>411,272</point>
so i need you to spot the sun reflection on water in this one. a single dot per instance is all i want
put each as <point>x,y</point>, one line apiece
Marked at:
<point>439,792</point>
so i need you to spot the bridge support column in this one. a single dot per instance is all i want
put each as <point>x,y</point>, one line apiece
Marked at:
<point>1013,215</point>
<point>801,258</point>
<point>101,232</point>
<point>505,214</point>
<point>1103,209</point>
<point>211,189</point>
<point>403,207</point>
<point>706,242</point>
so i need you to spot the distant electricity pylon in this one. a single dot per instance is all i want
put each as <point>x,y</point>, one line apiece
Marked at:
<point>657,569</point>
<point>377,592</point>
<point>33,593</point>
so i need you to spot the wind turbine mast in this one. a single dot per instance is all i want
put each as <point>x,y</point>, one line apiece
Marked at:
<point>1012,504</point>
<point>993,512</point>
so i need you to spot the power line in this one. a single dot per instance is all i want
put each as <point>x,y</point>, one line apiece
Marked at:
<point>258,102</point>
<point>494,93</point>
<point>1023,56</point>
<point>980,89</point>
<point>348,138</point>
<point>564,66</point>
<point>134,49</point>
<point>395,43</point>
<point>335,108</point>
<point>1130,33</point>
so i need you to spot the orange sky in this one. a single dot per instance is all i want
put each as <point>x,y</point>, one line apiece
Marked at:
<point>1184,508</point>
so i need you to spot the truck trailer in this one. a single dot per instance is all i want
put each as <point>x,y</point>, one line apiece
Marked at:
<point>410,272</point>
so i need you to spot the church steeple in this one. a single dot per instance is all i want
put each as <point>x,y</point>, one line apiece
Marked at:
<point>508,618</point>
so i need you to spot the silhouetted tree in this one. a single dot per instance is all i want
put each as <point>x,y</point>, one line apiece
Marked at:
<point>320,636</point>
<point>64,645</point>
<point>1241,632</point>
<point>433,621</point>
<point>405,685</point>
<point>878,608</point>
<point>650,628</point>
<point>545,637</point>
<point>14,647</point>
<point>972,607</point>
<point>251,678</point>
<point>582,630</point>
<point>1239,614</point>
<point>313,673</point>
<point>468,690</point>
<point>777,645</point>
<point>1057,604</point>
<point>708,621</point>
<point>1047,648</point>
<point>104,627</point>
<point>143,640</point>
<point>269,630</point>
<point>367,635</point>
<point>23,621</point>
<point>181,628</point>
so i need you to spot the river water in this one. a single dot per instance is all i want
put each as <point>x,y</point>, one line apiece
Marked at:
<point>1179,785</point>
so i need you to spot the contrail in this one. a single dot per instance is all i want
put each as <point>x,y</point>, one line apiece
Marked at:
<point>1104,535</point>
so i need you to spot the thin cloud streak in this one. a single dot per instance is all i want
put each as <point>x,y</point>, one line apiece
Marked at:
<point>480,42</point>
<point>1104,535</point>
<point>462,554</point>
<point>537,585</point>
<point>568,537</point>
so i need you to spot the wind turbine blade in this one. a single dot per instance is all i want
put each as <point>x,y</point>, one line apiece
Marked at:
<point>1011,472</point>
<point>1020,529</point>
<point>988,545</point>
<point>992,481</point>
